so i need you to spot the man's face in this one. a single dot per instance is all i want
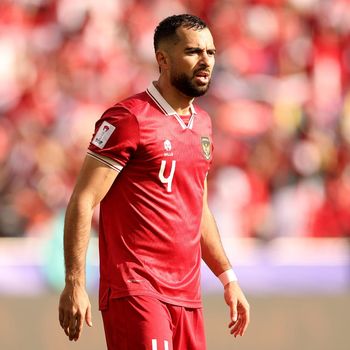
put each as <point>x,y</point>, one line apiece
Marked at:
<point>192,60</point>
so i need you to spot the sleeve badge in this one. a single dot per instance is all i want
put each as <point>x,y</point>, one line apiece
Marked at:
<point>206,147</point>
<point>103,134</point>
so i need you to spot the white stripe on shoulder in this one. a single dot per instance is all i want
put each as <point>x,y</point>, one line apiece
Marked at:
<point>105,160</point>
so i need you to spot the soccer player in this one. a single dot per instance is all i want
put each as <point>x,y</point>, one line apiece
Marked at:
<point>147,165</point>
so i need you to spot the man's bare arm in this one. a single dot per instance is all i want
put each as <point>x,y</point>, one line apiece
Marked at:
<point>94,181</point>
<point>212,250</point>
<point>215,257</point>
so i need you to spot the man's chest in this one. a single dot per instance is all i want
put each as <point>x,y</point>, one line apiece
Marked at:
<point>165,139</point>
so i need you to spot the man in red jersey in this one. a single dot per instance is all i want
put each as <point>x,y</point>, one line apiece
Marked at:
<point>146,166</point>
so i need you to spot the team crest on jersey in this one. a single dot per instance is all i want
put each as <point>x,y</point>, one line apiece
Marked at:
<point>205,141</point>
<point>103,134</point>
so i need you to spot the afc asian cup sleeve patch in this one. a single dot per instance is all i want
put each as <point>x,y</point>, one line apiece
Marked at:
<point>103,134</point>
<point>206,147</point>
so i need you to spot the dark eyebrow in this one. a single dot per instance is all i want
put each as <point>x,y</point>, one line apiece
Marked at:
<point>198,49</point>
<point>193,49</point>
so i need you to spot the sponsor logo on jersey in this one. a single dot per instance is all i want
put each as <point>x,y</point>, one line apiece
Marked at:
<point>205,141</point>
<point>167,148</point>
<point>167,145</point>
<point>103,134</point>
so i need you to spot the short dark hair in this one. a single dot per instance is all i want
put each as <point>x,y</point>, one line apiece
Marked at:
<point>167,27</point>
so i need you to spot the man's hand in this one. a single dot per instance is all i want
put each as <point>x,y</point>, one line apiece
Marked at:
<point>74,308</point>
<point>239,308</point>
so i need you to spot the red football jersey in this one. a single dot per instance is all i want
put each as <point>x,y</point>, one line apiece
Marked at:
<point>149,220</point>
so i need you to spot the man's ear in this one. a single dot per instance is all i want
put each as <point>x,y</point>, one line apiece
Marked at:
<point>162,60</point>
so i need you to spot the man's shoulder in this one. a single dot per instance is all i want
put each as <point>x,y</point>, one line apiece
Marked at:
<point>135,102</point>
<point>200,110</point>
<point>202,117</point>
<point>132,108</point>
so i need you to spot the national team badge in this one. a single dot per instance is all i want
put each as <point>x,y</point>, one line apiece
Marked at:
<point>205,141</point>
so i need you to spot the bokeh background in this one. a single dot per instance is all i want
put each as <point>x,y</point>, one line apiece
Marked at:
<point>279,186</point>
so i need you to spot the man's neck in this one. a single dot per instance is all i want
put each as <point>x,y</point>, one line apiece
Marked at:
<point>177,100</point>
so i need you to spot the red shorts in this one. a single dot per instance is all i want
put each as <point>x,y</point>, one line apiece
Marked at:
<point>146,323</point>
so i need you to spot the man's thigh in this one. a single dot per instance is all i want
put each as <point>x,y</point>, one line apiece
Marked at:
<point>189,331</point>
<point>145,323</point>
<point>137,323</point>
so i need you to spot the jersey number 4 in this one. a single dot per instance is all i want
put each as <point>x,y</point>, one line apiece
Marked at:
<point>167,180</point>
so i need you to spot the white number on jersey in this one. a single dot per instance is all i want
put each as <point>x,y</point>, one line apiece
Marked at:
<point>167,180</point>
<point>154,341</point>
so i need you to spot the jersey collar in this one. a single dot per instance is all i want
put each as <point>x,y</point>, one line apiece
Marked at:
<point>167,109</point>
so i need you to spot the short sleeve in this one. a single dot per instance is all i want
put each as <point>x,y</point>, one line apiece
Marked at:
<point>116,137</point>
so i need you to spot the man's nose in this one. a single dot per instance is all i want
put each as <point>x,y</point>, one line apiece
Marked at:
<point>205,59</point>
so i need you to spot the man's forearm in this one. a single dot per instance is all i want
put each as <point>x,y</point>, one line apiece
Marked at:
<point>213,252</point>
<point>76,239</point>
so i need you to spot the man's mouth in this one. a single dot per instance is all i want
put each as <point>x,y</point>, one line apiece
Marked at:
<point>202,76</point>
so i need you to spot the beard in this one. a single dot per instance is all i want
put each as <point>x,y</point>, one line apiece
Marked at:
<point>185,85</point>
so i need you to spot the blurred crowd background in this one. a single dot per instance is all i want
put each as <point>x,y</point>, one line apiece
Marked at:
<point>279,100</point>
<point>280,105</point>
